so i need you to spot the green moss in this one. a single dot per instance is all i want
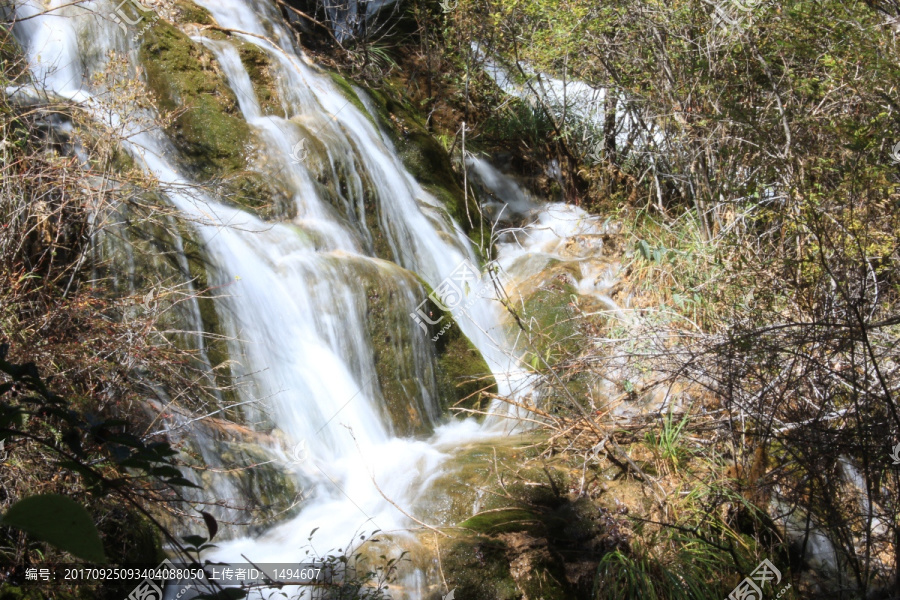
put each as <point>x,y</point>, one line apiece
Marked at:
<point>264,487</point>
<point>184,76</point>
<point>469,471</point>
<point>349,93</point>
<point>427,160</point>
<point>422,155</point>
<point>549,308</point>
<point>381,246</point>
<point>512,565</point>
<point>128,537</point>
<point>528,523</point>
<point>259,68</point>
<point>558,330</point>
<point>11,592</point>
<point>476,567</point>
<point>460,370</point>
<point>463,373</point>
<point>393,354</point>
<point>258,193</point>
<point>188,12</point>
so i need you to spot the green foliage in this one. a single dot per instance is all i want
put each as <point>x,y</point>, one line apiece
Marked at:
<point>502,521</point>
<point>519,122</point>
<point>667,442</point>
<point>101,452</point>
<point>698,556</point>
<point>624,577</point>
<point>80,441</point>
<point>59,521</point>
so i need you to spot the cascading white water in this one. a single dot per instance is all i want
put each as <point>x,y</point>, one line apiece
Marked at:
<point>295,309</point>
<point>547,232</point>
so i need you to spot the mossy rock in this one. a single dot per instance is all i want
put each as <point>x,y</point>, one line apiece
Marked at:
<point>209,131</point>
<point>128,537</point>
<point>188,12</point>
<point>216,347</point>
<point>535,538</point>
<point>462,371</point>
<point>470,470</point>
<point>531,527</point>
<point>423,156</point>
<point>257,193</point>
<point>543,509</point>
<point>508,566</point>
<point>259,69</point>
<point>538,571</point>
<point>347,90</point>
<point>427,160</point>
<point>265,488</point>
<point>549,306</point>
<point>477,568</point>
<point>393,351</point>
<point>381,245</point>
<point>336,183</point>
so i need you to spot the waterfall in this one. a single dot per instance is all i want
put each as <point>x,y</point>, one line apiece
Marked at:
<point>294,306</point>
